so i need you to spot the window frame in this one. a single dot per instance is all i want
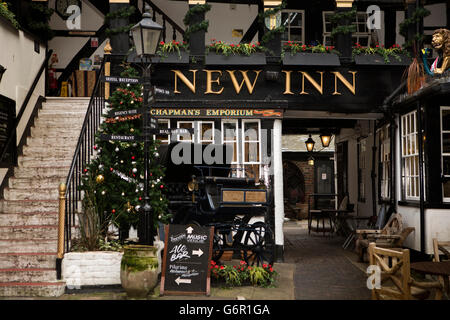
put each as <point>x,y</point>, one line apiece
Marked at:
<point>442,131</point>
<point>361,166</point>
<point>385,163</point>
<point>358,34</point>
<point>243,142</point>
<point>288,27</point>
<point>168,127</point>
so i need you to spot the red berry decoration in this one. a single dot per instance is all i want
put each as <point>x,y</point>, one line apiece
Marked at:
<point>132,157</point>
<point>140,198</point>
<point>111,169</point>
<point>113,210</point>
<point>161,186</point>
<point>85,170</point>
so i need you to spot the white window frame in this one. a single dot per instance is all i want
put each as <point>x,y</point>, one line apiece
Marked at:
<point>199,132</point>
<point>360,16</point>
<point>362,152</point>
<point>243,142</point>
<point>168,127</point>
<point>410,157</point>
<point>234,164</point>
<point>192,135</point>
<point>444,199</point>
<point>288,26</point>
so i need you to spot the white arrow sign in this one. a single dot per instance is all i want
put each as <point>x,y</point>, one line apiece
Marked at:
<point>198,252</point>
<point>189,230</point>
<point>179,280</point>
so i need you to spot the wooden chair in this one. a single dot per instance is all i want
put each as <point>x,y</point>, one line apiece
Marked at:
<point>442,247</point>
<point>391,236</point>
<point>395,282</point>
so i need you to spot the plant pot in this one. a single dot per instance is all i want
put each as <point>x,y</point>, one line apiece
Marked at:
<point>311,59</point>
<point>139,270</point>
<point>256,59</point>
<point>376,59</point>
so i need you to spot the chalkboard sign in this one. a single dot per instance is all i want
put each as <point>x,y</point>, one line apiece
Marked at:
<point>186,260</point>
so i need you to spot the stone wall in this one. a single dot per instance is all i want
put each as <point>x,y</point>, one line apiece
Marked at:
<point>308,175</point>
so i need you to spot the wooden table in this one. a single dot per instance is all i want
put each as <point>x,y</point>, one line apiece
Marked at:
<point>434,268</point>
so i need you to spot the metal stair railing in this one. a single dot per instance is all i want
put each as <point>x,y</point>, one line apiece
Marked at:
<point>83,154</point>
<point>165,19</point>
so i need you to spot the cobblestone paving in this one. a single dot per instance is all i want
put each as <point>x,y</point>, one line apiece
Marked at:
<point>323,270</point>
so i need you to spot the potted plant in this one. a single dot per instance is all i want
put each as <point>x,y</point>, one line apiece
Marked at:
<point>319,55</point>
<point>379,55</point>
<point>8,15</point>
<point>221,53</point>
<point>172,52</point>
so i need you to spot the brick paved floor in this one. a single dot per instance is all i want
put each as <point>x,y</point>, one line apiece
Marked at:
<point>323,270</point>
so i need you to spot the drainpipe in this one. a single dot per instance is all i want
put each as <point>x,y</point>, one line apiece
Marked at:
<point>373,173</point>
<point>421,180</point>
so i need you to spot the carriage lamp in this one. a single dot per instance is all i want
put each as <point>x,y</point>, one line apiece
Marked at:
<point>326,139</point>
<point>146,34</point>
<point>2,71</point>
<point>310,144</point>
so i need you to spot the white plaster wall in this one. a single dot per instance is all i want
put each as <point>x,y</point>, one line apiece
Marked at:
<point>22,63</point>
<point>437,225</point>
<point>411,218</point>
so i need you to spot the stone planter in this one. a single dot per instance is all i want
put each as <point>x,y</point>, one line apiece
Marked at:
<point>376,59</point>
<point>94,268</point>
<point>139,270</point>
<point>256,59</point>
<point>172,58</point>
<point>311,59</point>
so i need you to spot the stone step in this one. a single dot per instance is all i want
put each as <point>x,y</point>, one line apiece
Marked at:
<point>43,161</point>
<point>53,115</point>
<point>56,150</point>
<point>29,232</point>
<point>69,132</point>
<point>49,142</point>
<point>29,194</point>
<point>27,246</point>
<point>59,123</point>
<point>32,289</point>
<point>27,275</point>
<point>69,111</point>
<point>29,219</point>
<point>42,172</point>
<point>27,260</point>
<point>55,106</point>
<point>35,183</point>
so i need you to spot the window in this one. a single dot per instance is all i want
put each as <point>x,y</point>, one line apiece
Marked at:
<point>361,36</point>
<point>206,132</point>
<point>294,21</point>
<point>163,138</point>
<point>362,144</point>
<point>251,147</point>
<point>185,125</point>
<point>445,138</point>
<point>410,156</point>
<point>384,173</point>
<point>230,129</point>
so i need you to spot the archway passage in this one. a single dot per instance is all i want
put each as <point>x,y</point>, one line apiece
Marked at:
<point>294,188</point>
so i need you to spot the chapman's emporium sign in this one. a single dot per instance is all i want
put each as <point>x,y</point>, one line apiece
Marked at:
<point>215,113</point>
<point>295,82</point>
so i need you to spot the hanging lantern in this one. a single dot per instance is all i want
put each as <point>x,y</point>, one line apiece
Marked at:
<point>310,144</point>
<point>311,161</point>
<point>326,139</point>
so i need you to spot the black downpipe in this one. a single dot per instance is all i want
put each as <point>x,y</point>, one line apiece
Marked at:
<point>373,173</point>
<point>421,180</point>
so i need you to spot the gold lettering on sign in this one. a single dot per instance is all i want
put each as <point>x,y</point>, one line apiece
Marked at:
<point>186,81</point>
<point>210,81</point>
<point>288,82</point>
<point>312,81</point>
<point>246,80</point>
<point>351,87</point>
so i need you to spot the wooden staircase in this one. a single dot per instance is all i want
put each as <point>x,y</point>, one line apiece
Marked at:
<point>29,210</point>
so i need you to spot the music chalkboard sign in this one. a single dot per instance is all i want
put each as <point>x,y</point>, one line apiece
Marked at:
<point>186,260</point>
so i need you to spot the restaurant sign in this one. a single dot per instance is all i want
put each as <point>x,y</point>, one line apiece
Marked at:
<point>216,113</point>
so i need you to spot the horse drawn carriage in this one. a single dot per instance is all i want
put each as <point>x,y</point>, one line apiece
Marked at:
<point>210,194</point>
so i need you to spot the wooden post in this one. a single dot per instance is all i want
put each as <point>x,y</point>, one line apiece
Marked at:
<point>107,53</point>
<point>61,223</point>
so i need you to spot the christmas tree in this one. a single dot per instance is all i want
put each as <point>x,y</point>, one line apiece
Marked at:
<point>118,168</point>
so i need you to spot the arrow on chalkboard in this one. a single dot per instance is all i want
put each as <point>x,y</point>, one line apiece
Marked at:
<point>179,280</point>
<point>189,230</point>
<point>198,252</point>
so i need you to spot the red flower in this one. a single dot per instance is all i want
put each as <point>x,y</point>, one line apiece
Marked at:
<point>222,267</point>
<point>161,43</point>
<point>232,45</point>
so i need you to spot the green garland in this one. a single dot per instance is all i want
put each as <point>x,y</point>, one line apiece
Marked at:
<point>343,29</point>
<point>192,12</point>
<point>119,14</point>
<point>270,35</point>
<point>8,15</point>
<point>417,16</point>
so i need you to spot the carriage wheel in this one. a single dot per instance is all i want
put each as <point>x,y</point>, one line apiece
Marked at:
<point>258,245</point>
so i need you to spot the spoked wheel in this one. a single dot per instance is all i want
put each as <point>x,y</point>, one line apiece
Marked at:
<point>258,245</point>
